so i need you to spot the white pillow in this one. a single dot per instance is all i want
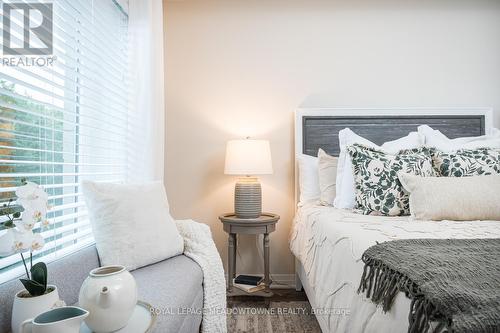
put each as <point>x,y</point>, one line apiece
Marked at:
<point>327,175</point>
<point>434,138</point>
<point>308,178</point>
<point>131,223</point>
<point>345,188</point>
<point>453,198</point>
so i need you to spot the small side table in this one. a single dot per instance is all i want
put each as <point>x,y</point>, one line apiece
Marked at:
<point>265,224</point>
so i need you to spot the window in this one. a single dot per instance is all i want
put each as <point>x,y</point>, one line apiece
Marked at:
<point>67,122</point>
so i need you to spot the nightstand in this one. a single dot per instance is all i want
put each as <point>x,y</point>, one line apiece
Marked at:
<point>265,224</point>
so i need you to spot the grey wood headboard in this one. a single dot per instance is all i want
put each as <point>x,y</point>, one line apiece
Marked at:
<point>322,131</point>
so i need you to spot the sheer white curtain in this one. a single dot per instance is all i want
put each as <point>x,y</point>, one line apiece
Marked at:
<point>146,134</point>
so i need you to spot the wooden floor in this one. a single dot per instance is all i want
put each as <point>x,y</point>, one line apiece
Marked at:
<point>287,311</point>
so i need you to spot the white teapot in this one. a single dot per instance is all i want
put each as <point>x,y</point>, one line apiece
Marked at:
<point>109,293</point>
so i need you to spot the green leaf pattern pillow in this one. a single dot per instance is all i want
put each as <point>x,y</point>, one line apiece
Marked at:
<point>467,162</point>
<point>378,189</point>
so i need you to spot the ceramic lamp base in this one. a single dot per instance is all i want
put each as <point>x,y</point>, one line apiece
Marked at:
<point>248,198</point>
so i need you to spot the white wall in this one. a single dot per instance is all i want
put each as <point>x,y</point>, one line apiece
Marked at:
<point>238,68</point>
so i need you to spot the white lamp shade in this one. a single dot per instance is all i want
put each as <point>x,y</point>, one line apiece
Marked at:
<point>248,157</point>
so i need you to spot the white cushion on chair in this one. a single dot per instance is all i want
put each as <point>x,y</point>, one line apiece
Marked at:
<point>131,223</point>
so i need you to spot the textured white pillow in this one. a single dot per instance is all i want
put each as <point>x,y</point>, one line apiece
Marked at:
<point>327,175</point>
<point>346,194</point>
<point>453,198</point>
<point>434,138</point>
<point>131,223</point>
<point>308,178</point>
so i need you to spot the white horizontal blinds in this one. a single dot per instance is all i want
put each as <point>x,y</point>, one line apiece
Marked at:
<point>65,123</point>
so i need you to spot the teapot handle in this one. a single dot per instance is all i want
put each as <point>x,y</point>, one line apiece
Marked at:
<point>23,325</point>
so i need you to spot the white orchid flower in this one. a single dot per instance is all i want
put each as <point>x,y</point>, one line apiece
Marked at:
<point>32,195</point>
<point>33,215</point>
<point>28,221</point>
<point>7,243</point>
<point>34,199</point>
<point>23,240</point>
<point>29,190</point>
<point>37,243</point>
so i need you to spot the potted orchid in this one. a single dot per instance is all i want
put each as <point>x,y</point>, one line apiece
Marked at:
<point>24,219</point>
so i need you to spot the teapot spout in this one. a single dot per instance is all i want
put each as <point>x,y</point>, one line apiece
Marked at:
<point>104,298</point>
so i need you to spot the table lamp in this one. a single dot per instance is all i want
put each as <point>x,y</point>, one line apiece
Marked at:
<point>248,158</point>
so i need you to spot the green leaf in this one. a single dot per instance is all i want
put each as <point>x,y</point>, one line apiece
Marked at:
<point>39,274</point>
<point>34,288</point>
<point>11,210</point>
<point>16,215</point>
<point>9,224</point>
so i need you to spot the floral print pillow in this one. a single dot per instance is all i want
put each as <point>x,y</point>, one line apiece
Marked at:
<point>467,162</point>
<point>378,189</point>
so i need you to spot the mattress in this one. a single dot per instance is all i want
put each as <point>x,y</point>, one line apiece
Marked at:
<point>329,243</point>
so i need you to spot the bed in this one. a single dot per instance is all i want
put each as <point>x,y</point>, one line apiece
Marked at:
<point>328,243</point>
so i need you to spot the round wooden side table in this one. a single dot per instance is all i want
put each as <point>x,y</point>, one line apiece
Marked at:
<point>265,224</point>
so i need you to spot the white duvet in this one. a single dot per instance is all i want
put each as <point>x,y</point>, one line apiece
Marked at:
<point>329,243</point>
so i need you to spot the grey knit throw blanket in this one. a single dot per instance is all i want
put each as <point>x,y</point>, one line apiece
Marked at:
<point>454,283</point>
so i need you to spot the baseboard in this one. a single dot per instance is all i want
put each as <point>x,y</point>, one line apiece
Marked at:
<point>279,281</point>
<point>283,281</point>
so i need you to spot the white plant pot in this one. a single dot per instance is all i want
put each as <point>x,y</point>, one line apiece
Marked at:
<point>109,293</point>
<point>29,307</point>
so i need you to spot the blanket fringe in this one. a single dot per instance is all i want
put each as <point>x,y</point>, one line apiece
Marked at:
<point>381,284</point>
